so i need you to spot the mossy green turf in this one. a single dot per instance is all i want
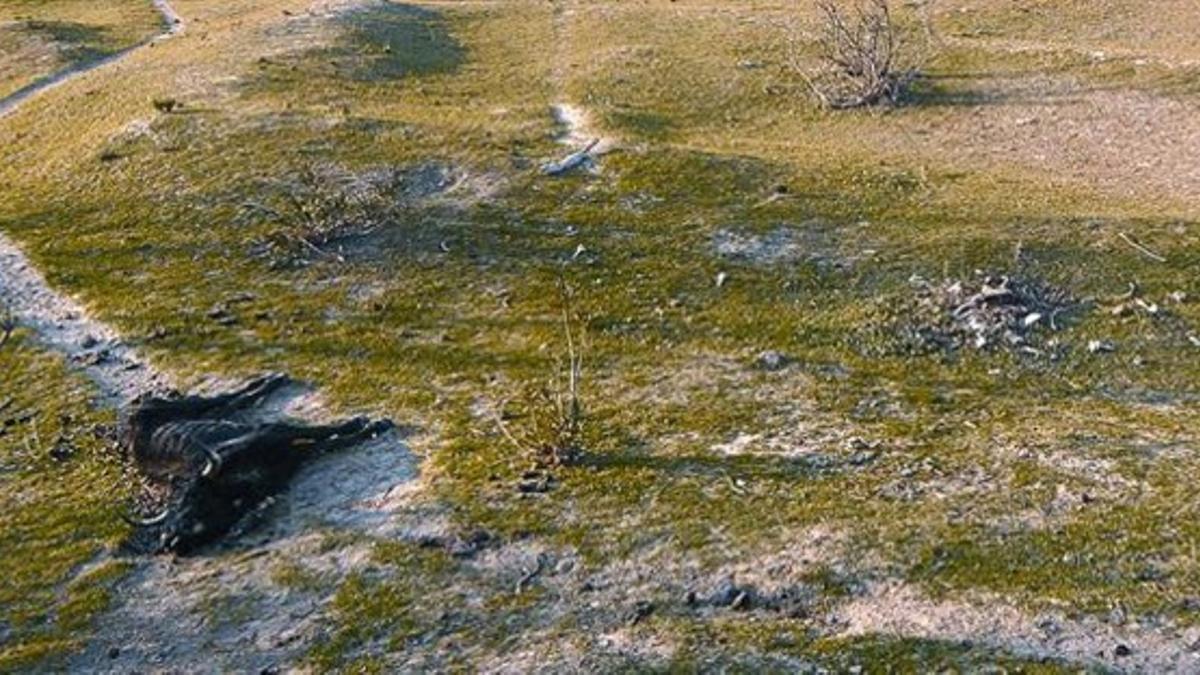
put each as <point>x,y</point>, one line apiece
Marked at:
<point>155,235</point>
<point>61,491</point>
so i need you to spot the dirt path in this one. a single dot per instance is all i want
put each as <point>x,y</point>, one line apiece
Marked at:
<point>64,326</point>
<point>577,132</point>
<point>174,25</point>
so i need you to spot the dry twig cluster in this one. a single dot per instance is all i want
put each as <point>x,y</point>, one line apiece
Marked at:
<point>319,205</point>
<point>866,56</point>
<point>985,312</point>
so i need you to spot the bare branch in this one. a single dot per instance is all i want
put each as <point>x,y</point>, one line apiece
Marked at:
<point>865,57</point>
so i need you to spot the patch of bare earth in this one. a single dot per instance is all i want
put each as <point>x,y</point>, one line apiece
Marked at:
<point>1126,143</point>
<point>896,609</point>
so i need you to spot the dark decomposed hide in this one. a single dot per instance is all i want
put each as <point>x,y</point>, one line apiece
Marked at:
<point>213,459</point>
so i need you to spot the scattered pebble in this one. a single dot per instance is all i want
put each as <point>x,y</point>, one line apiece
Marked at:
<point>1101,347</point>
<point>641,611</point>
<point>773,361</point>
<point>62,450</point>
<point>987,311</point>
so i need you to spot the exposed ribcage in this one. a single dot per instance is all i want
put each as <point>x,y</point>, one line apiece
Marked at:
<point>183,440</point>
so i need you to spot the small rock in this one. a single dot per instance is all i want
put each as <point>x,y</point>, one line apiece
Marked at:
<point>1049,626</point>
<point>534,486</point>
<point>89,341</point>
<point>220,314</point>
<point>62,450</point>
<point>1101,346</point>
<point>773,361</point>
<point>641,610</point>
<point>1116,616</point>
<point>564,566</point>
<point>95,358</point>
<point>114,652</point>
<point>1122,651</point>
<point>467,547</point>
<point>861,458</point>
<point>244,296</point>
<point>721,279</point>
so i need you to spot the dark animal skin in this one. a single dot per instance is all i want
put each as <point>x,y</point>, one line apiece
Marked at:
<point>218,459</point>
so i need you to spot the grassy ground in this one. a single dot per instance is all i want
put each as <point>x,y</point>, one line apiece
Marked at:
<point>38,39</point>
<point>1049,482</point>
<point>60,488</point>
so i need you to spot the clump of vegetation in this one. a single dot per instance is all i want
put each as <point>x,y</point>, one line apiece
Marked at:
<point>60,487</point>
<point>551,411</point>
<point>167,105</point>
<point>867,57</point>
<point>320,205</point>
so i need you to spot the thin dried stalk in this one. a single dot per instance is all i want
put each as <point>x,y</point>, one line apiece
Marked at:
<point>8,324</point>
<point>552,413</point>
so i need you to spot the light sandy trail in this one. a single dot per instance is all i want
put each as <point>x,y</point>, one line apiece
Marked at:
<point>63,325</point>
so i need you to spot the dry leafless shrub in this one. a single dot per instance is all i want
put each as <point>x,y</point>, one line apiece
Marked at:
<point>866,56</point>
<point>551,412</point>
<point>318,205</point>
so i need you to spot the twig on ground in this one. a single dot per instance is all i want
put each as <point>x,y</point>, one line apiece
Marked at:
<point>498,416</point>
<point>8,323</point>
<point>571,161</point>
<point>1145,251</point>
<point>531,575</point>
